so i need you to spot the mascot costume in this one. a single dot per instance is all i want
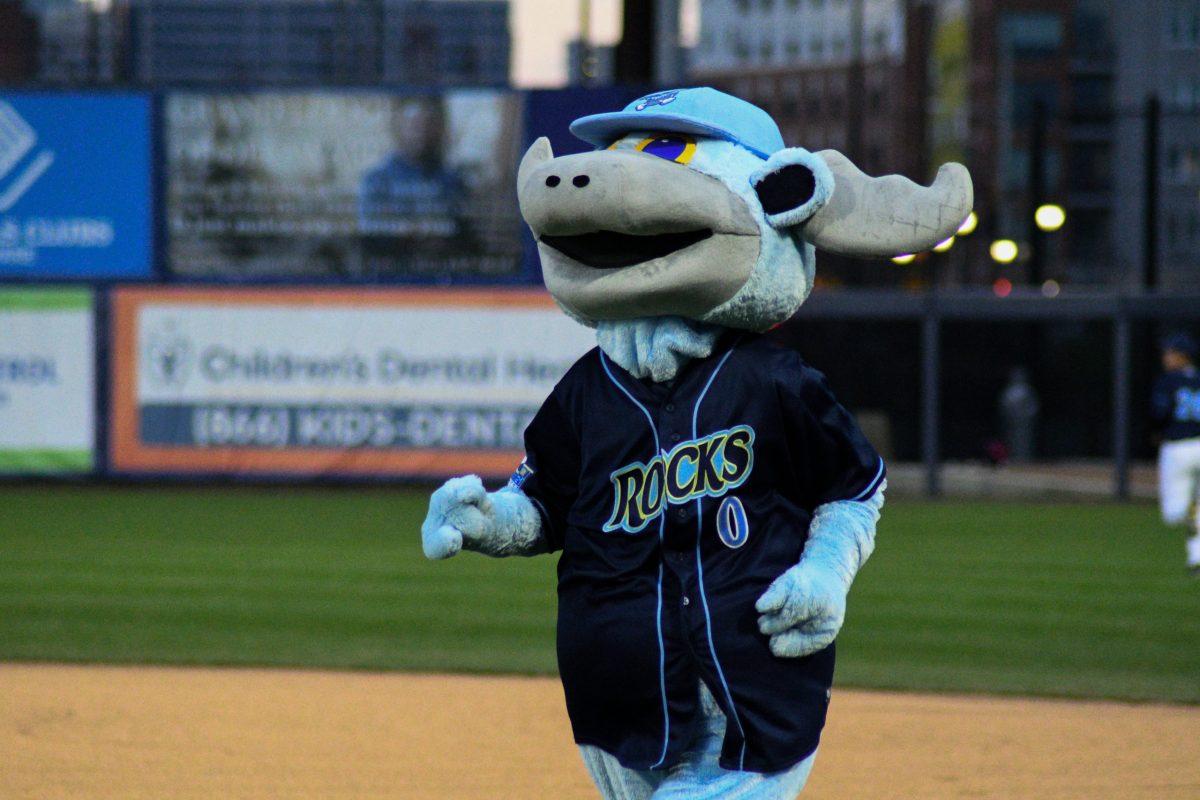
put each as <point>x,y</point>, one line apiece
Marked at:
<point>711,499</point>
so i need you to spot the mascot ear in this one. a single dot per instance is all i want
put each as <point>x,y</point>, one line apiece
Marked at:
<point>793,185</point>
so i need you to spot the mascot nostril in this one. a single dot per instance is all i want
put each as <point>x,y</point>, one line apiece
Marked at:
<point>711,499</point>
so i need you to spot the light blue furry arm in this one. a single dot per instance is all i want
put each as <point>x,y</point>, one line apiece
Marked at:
<point>465,516</point>
<point>803,610</point>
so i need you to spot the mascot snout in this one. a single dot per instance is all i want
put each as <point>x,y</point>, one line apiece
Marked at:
<point>626,192</point>
<point>622,230</point>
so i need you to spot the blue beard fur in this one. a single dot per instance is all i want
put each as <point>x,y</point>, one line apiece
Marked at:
<point>656,347</point>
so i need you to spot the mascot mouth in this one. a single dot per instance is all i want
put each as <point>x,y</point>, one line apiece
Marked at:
<point>613,250</point>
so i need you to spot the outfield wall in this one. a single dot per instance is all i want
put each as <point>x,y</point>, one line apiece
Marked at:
<point>361,197</point>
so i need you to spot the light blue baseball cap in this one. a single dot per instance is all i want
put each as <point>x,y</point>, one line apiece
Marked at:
<point>701,112</point>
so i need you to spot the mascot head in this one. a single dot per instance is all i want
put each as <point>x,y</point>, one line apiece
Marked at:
<point>692,207</point>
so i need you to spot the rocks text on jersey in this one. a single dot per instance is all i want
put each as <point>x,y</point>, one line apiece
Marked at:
<point>705,467</point>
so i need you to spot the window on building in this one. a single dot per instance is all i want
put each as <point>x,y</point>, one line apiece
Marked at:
<point>743,5</point>
<point>741,49</point>
<point>1027,95</point>
<point>1183,163</point>
<point>1032,34</point>
<point>875,98</point>
<point>766,50</point>
<point>1092,97</point>
<point>816,47</point>
<point>1089,166</point>
<point>792,49</point>
<point>1092,33</point>
<point>1089,244</point>
<point>1187,94</point>
<point>1015,174</point>
<point>1183,23</point>
<point>766,5</point>
<point>879,40</point>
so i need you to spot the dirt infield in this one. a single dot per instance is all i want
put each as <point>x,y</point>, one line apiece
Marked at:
<point>113,732</point>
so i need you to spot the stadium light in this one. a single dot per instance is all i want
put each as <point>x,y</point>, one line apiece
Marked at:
<point>1050,217</point>
<point>943,245</point>
<point>905,258</point>
<point>1004,251</point>
<point>969,224</point>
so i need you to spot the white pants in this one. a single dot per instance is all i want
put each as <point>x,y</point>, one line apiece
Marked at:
<point>1179,489</point>
<point>1178,479</point>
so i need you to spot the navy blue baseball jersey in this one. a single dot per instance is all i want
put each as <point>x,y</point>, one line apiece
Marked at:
<point>675,506</point>
<point>1175,404</point>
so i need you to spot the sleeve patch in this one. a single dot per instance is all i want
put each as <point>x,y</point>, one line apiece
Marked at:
<point>522,474</point>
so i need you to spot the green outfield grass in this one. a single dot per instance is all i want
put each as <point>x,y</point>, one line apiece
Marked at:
<point>1075,600</point>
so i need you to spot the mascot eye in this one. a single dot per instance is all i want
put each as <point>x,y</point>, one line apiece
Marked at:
<point>672,147</point>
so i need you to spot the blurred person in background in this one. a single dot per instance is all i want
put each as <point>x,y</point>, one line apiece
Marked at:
<point>411,202</point>
<point>1176,408</point>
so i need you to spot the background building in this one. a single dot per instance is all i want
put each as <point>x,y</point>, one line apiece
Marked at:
<point>447,43</point>
<point>1041,114</point>
<point>590,64</point>
<point>904,85</point>
<point>260,42</point>
<point>822,67</point>
<point>1158,87</point>
<point>842,74</point>
<point>318,42</point>
<point>78,44</point>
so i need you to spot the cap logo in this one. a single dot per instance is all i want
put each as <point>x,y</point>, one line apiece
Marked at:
<point>660,99</point>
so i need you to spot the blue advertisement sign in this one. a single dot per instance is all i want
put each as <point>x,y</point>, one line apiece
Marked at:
<point>75,185</point>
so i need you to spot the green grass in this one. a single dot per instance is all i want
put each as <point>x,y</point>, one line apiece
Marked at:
<point>1071,600</point>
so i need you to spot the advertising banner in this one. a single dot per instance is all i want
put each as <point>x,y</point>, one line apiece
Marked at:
<point>75,186</point>
<point>47,381</point>
<point>331,382</point>
<point>360,185</point>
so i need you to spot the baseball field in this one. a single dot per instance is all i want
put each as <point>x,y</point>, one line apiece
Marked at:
<point>967,620</point>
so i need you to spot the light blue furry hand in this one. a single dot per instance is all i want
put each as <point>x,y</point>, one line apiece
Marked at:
<point>464,516</point>
<point>803,610</point>
<point>461,507</point>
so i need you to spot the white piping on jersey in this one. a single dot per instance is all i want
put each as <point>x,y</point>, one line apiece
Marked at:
<point>712,649</point>
<point>872,486</point>
<point>662,521</point>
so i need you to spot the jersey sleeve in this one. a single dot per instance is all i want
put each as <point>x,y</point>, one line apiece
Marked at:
<point>549,475</point>
<point>832,458</point>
